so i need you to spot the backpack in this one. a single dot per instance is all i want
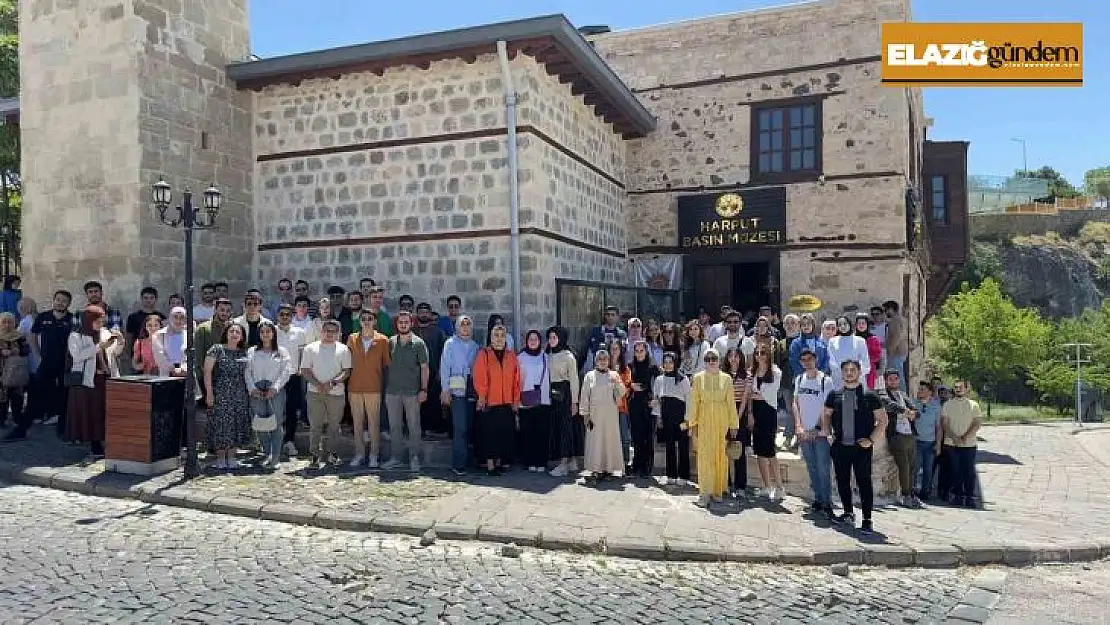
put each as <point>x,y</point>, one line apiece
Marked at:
<point>824,379</point>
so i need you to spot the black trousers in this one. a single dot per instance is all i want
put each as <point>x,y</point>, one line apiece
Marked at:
<point>962,471</point>
<point>14,399</point>
<point>642,424</point>
<point>50,396</point>
<point>535,436</point>
<point>432,413</point>
<point>675,439</point>
<point>944,479</point>
<point>740,465</point>
<point>294,395</point>
<point>849,460</point>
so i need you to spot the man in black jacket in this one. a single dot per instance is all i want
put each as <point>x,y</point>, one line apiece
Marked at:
<point>856,418</point>
<point>900,433</point>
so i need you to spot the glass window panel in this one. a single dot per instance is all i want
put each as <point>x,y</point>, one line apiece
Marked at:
<point>795,117</point>
<point>795,160</point>
<point>809,138</point>
<point>795,138</point>
<point>808,115</point>
<point>776,141</point>
<point>764,162</point>
<point>938,184</point>
<point>764,141</point>
<point>808,158</point>
<point>764,120</point>
<point>776,161</point>
<point>776,119</point>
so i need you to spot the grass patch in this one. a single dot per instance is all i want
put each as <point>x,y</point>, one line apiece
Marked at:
<point>1007,413</point>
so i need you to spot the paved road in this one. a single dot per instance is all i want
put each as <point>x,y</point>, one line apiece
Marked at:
<point>68,558</point>
<point>1055,595</point>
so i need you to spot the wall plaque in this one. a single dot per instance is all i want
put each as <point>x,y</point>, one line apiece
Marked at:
<point>735,219</point>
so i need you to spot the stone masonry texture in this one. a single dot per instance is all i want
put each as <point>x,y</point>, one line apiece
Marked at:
<point>115,94</point>
<point>448,183</point>
<point>704,132</point>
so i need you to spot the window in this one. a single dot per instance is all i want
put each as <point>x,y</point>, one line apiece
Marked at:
<point>938,194</point>
<point>787,141</point>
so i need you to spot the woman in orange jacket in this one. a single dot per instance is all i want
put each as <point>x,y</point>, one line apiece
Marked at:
<point>497,382</point>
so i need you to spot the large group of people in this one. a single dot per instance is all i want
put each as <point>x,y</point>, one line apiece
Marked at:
<point>712,392</point>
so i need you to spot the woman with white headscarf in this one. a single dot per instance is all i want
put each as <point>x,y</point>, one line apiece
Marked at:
<point>168,345</point>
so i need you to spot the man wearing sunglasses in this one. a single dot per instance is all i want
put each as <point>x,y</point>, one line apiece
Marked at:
<point>252,317</point>
<point>603,335</point>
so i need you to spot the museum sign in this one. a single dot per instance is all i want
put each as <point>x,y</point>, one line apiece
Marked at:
<point>737,219</point>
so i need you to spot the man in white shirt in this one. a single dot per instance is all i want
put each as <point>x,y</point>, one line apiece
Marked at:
<point>811,389</point>
<point>717,330</point>
<point>302,317</point>
<point>206,309</point>
<point>734,337</point>
<point>325,364</point>
<point>293,339</point>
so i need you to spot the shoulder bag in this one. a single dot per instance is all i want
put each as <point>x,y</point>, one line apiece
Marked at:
<point>17,371</point>
<point>533,396</point>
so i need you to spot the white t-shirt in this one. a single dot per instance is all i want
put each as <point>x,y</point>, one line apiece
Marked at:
<point>326,363</point>
<point>293,341</point>
<point>810,394</point>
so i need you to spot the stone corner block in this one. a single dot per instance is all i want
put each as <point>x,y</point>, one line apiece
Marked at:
<point>975,554</point>
<point>521,537</point>
<point>116,487</point>
<point>1019,555</point>
<point>637,549</point>
<point>760,555</point>
<point>455,531</point>
<point>565,540</point>
<point>687,551</point>
<point>838,555</point>
<point>289,513</point>
<point>346,520</point>
<point>74,482</point>
<point>936,556</point>
<point>1083,552</point>
<point>887,555</point>
<point>400,525</point>
<point>194,499</point>
<point>36,476</point>
<point>171,496</point>
<point>236,506</point>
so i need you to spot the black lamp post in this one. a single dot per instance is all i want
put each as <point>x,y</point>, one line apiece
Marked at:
<point>190,218</point>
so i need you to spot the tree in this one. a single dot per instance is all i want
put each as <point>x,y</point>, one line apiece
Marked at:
<point>1058,185</point>
<point>1054,378</point>
<point>987,340</point>
<point>10,202</point>
<point>1097,182</point>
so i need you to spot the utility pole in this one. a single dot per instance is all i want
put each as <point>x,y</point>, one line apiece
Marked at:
<point>1024,158</point>
<point>1079,361</point>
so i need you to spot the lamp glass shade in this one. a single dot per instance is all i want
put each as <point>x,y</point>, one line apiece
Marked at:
<point>212,197</point>
<point>161,193</point>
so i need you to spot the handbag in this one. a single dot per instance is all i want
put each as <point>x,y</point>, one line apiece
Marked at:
<point>534,396</point>
<point>265,420</point>
<point>17,372</point>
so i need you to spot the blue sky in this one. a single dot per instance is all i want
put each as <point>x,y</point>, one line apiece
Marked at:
<point>1062,127</point>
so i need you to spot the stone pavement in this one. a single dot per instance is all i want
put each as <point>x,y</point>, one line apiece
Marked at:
<point>1045,499</point>
<point>67,558</point>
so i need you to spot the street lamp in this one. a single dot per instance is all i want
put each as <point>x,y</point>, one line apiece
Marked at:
<point>190,218</point>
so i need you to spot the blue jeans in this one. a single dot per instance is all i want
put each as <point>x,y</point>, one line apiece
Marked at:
<point>818,464</point>
<point>786,399</point>
<point>271,441</point>
<point>462,418</point>
<point>626,437</point>
<point>898,363</point>
<point>926,457</point>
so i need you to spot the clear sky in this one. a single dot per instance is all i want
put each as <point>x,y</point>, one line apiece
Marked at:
<point>1065,128</point>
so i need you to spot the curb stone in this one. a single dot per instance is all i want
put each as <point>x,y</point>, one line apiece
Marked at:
<point>590,542</point>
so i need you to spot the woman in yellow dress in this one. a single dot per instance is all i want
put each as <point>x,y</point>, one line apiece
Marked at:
<point>711,418</point>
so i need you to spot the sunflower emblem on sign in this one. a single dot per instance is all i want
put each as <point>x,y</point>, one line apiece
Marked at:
<point>729,205</point>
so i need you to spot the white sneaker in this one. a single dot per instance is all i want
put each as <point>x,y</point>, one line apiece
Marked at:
<point>559,471</point>
<point>770,493</point>
<point>778,494</point>
<point>290,449</point>
<point>357,461</point>
<point>391,464</point>
<point>373,463</point>
<point>414,465</point>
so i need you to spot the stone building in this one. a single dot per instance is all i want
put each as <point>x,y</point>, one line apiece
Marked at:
<point>754,154</point>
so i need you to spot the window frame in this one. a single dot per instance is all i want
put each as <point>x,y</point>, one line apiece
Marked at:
<point>786,176</point>
<point>932,197</point>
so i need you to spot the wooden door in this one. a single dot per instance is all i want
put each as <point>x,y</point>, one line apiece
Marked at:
<point>713,287</point>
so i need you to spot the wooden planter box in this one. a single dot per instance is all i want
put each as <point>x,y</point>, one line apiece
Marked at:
<point>143,424</point>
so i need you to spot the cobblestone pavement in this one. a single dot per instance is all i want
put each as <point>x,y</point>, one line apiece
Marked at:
<point>69,558</point>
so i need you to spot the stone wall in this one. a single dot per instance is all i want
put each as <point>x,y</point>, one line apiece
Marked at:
<point>997,226</point>
<point>113,93</point>
<point>427,214</point>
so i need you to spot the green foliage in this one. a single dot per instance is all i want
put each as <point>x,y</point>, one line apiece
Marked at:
<point>1054,378</point>
<point>1097,182</point>
<point>983,263</point>
<point>1058,185</point>
<point>9,88</point>
<point>1095,232</point>
<point>984,338</point>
